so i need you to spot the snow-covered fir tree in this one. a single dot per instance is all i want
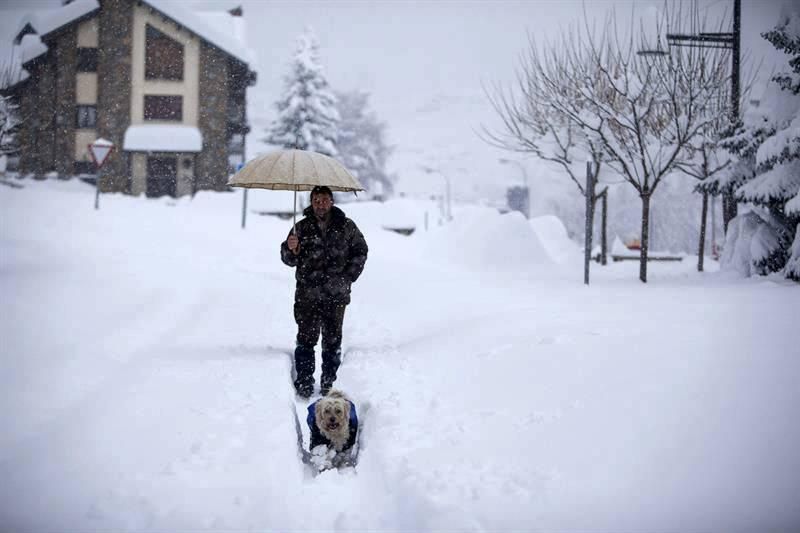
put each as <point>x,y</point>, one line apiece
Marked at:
<point>767,173</point>
<point>307,114</point>
<point>362,143</point>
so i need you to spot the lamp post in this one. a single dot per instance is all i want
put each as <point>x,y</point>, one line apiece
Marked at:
<point>505,161</point>
<point>431,170</point>
<point>726,41</point>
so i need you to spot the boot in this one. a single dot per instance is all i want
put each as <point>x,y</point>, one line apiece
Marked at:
<point>304,370</point>
<point>331,359</point>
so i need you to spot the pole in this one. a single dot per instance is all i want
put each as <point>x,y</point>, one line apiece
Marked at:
<point>97,191</point>
<point>587,256</point>
<point>729,207</point>
<point>244,208</point>
<point>702,247</point>
<point>603,234</point>
<point>294,212</point>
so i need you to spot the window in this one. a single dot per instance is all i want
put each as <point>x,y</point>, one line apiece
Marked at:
<point>86,116</point>
<point>163,107</point>
<point>87,59</point>
<point>163,56</point>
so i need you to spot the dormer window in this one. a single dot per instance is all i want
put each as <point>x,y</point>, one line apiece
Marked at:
<point>163,56</point>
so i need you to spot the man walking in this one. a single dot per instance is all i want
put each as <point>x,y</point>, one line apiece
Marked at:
<point>328,252</point>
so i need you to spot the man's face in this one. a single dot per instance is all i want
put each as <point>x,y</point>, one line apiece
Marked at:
<point>321,203</point>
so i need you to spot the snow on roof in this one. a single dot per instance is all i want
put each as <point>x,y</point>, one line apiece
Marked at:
<point>11,71</point>
<point>162,138</point>
<point>44,22</point>
<point>31,47</point>
<point>211,29</point>
<point>220,29</point>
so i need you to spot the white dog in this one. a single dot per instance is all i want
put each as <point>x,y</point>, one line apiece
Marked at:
<point>333,421</point>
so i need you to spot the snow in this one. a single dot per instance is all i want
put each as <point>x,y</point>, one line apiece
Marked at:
<point>48,21</point>
<point>750,239</point>
<point>31,47</point>
<point>785,141</point>
<point>553,236</point>
<point>780,182</point>
<point>793,264</point>
<point>162,138</point>
<point>224,35</point>
<point>146,387</point>
<point>793,206</point>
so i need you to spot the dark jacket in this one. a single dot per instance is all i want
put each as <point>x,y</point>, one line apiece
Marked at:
<point>326,265</point>
<point>318,438</point>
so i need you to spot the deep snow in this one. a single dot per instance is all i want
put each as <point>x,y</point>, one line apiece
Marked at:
<point>144,383</point>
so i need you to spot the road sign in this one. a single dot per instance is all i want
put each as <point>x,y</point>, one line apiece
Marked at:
<point>100,150</point>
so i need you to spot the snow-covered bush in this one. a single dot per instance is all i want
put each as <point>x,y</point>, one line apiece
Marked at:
<point>793,264</point>
<point>751,245</point>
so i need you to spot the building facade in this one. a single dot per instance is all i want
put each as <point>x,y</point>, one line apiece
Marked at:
<point>165,86</point>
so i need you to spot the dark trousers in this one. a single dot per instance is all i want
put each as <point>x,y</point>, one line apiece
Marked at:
<point>312,319</point>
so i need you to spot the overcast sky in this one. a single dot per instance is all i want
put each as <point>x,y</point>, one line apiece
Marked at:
<point>424,62</point>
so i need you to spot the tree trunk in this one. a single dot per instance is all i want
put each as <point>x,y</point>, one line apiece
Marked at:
<point>702,248</point>
<point>645,236</point>
<point>729,209</point>
<point>603,234</point>
<point>590,199</point>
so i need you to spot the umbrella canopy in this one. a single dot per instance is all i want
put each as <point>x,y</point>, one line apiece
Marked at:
<point>295,170</point>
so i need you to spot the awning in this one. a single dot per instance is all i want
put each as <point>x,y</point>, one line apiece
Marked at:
<point>162,138</point>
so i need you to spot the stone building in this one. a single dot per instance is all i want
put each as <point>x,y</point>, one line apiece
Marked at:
<point>165,84</point>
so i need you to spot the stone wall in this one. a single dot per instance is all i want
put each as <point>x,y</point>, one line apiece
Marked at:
<point>66,62</point>
<point>47,105</point>
<point>31,127</point>
<point>211,167</point>
<point>114,89</point>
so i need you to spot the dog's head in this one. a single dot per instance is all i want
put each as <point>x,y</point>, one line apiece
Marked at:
<point>333,417</point>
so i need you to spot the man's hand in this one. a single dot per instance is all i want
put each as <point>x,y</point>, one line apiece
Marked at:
<point>293,243</point>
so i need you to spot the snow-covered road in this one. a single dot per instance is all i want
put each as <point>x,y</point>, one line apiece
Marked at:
<point>145,386</point>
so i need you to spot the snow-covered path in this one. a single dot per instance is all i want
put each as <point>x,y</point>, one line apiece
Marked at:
<point>145,386</point>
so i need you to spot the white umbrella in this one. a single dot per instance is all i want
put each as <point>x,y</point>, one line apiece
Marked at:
<point>294,170</point>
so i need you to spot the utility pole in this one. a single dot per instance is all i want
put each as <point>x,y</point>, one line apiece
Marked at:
<point>729,41</point>
<point>729,207</point>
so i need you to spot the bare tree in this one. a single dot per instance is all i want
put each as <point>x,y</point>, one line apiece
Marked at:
<point>532,124</point>
<point>643,111</point>
<point>705,157</point>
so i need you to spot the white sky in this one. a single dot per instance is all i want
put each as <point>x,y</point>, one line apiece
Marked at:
<point>424,63</point>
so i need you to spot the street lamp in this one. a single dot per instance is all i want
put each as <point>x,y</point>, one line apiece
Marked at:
<point>431,170</point>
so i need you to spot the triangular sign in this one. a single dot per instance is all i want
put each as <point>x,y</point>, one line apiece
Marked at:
<point>99,150</point>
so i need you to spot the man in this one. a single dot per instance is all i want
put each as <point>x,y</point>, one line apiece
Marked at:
<point>329,252</point>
